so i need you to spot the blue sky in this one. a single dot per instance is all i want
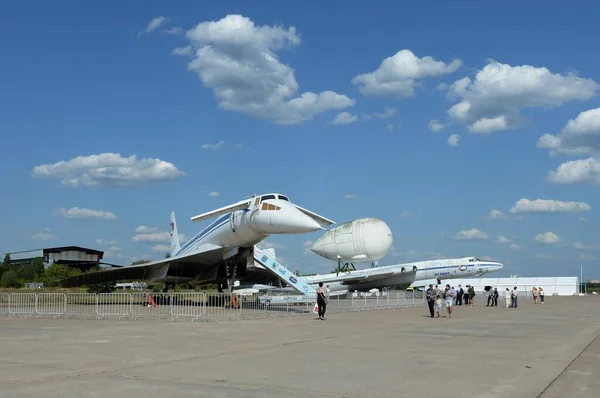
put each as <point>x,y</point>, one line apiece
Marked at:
<point>437,118</point>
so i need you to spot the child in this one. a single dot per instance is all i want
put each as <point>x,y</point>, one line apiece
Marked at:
<point>438,305</point>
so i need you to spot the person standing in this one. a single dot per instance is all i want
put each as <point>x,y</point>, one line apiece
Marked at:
<point>515,297</point>
<point>450,293</point>
<point>431,295</point>
<point>495,298</point>
<point>321,301</point>
<point>466,295</point>
<point>490,297</point>
<point>507,298</point>
<point>472,295</point>
<point>459,295</point>
<point>438,305</point>
<point>541,292</point>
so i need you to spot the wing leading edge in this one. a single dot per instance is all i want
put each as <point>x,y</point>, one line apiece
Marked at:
<point>205,254</point>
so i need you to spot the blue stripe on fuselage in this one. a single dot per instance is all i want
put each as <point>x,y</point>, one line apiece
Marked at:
<point>220,221</point>
<point>456,266</point>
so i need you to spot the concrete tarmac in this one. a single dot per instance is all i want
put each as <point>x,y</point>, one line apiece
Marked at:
<point>548,350</point>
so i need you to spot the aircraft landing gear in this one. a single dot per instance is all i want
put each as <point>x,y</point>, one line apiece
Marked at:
<point>231,268</point>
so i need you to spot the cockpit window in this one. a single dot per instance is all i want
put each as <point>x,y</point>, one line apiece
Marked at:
<point>284,198</point>
<point>267,197</point>
<point>268,206</point>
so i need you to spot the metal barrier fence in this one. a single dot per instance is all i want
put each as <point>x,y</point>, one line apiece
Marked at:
<point>193,306</point>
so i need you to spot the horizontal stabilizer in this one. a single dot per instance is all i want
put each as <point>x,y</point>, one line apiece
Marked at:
<point>242,204</point>
<point>318,218</point>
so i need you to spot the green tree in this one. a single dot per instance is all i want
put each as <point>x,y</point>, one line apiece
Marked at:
<point>5,266</point>
<point>10,279</point>
<point>31,272</point>
<point>58,271</point>
<point>138,262</point>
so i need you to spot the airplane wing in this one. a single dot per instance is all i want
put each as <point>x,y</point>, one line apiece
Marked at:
<point>242,204</point>
<point>409,277</point>
<point>318,218</point>
<point>365,278</point>
<point>205,255</point>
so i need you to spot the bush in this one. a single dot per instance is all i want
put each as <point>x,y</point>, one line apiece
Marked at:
<point>10,279</point>
<point>106,287</point>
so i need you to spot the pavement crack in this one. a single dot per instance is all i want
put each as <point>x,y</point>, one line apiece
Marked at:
<point>567,367</point>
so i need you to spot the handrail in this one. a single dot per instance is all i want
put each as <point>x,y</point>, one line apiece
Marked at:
<point>279,260</point>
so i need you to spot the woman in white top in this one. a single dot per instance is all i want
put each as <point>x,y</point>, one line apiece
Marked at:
<point>507,297</point>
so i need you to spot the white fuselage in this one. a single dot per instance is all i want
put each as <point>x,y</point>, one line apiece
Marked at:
<point>245,228</point>
<point>426,270</point>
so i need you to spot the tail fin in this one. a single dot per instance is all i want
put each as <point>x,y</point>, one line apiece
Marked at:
<point>175,247</point>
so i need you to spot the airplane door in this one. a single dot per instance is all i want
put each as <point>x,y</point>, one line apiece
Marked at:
<point>254,207</point>
<point>232,221</point>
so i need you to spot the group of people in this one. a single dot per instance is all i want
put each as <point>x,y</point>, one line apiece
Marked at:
<point>538,294</point>
<point>436,298</point>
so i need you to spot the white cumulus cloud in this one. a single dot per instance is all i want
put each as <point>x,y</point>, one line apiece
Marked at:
<point>187,50</point>
<point>144,229</point>
<point>387,113</point>
<point>493,100</point>
<point>238,61</point>
<point>350,196</point>
<point>214,194</point>
<point>398,75</point>
<point>161,248</point>
<point>514,246</point>
<point>175,30</point>
<point>214,147</point>
<point>502,239</point>
<point>46,235</point>
<point>576,172</point>
<point>436,126</point>
<point>453,140</point>
<point>344,118</point>
<point>495,214</point>
<point>108,169</point>
<point>524,205</point>
<point>583,246</point>
<point>580,136</point>
<point>471,234</point>
<point>156,236</point>
<point>155,23</point>
<point>307,245</point>
<point>83,213</point>
<point>548,238</point>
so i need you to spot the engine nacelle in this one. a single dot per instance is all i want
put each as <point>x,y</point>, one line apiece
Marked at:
<point>359,241</point>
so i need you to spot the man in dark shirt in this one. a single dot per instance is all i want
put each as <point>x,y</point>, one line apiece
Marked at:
<point>459,295</point>
<point>430,294</point>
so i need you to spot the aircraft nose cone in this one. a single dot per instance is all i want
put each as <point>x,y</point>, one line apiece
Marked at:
<point>303,223</point>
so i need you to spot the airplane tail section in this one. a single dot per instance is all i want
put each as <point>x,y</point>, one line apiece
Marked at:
<point>175,246</point>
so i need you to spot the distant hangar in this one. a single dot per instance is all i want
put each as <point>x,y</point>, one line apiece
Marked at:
<point>72,256</point>
<point>557,285</point>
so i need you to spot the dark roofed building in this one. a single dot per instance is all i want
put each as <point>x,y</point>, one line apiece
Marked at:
<point>72,256</point>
